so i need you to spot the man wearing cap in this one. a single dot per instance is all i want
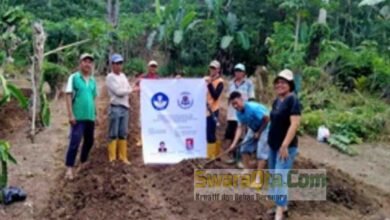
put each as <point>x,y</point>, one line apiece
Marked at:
<point>245,87</point>
<point>80,102</point>
<point>152,74</point>
<point>214,91</point>
<point>118,89</point>
<point>152,70</point>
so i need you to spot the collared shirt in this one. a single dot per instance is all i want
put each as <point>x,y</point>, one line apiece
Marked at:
<point>119,89</point>
<point>247,91</point>
<point>84,94</point>
<point>252,115</point>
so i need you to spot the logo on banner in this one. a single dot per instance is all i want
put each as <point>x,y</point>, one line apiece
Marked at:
<point>185,101</point>
<point>160,101</point>
<point>190,143</point>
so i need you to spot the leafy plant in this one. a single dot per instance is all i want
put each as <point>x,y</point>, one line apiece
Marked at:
<point>342,143</point>
<point>5,158</point>
<point>135,66</point>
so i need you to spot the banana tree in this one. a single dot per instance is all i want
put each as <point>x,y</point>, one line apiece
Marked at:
<point>5,159</point>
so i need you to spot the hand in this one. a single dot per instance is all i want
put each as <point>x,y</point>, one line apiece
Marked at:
<point>136,88</point>
<point>257,135</point>
<point>72,120</point>
<point>207,79</point>
<point>283,152</point>
<point>97,122</point>
<point>231,148</point>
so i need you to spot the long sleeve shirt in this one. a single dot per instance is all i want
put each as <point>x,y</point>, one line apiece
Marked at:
<point>119,89</point>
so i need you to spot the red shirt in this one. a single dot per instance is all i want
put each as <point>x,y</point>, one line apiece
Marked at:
<point>150,76</point>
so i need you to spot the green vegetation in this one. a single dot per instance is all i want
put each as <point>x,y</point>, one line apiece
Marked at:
<point>341,58</point>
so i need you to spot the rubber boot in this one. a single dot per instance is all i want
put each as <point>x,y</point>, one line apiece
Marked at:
<point>112,146</point>
<point>211,150</point>
<point>218,148</point>
<point>123,151</point>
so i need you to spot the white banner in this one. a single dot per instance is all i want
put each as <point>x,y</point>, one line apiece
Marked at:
<point>173,120</point>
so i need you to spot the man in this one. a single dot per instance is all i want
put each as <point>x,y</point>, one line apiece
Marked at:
<point>256,117</point>
<point>243,85</point>
<point>214,91</point>
<point>152,70</point>
<point>151,74</point>
<point>118,89</point>
<point>81,94</point>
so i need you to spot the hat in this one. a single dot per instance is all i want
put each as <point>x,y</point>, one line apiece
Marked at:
<point>286,74</point>
<point>152,63</point>
<point>85,56</point>
<point>215,64</point>
<point>240,67</point>
<point>116,58</point>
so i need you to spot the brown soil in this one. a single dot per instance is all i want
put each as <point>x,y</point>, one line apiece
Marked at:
<point>116,191</point>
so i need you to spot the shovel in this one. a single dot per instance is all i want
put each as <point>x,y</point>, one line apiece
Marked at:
<point>225,152</point>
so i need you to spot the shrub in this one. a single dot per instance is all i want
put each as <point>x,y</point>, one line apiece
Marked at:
<point>135,66</point>
<point>54,75</point>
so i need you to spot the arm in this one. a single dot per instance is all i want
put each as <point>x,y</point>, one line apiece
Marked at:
<point>115,88</point>
<point>292,130</point>
<point>69,97</point>
<point>69,100</point>
<point>236,137</point>
<point>264,124</point>
<point>215,93</point>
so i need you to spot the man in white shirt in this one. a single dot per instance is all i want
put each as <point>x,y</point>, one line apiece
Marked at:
<point>245,87</point>
<point>119,90</point>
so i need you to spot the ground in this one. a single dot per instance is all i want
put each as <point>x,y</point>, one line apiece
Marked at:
<point>357,185</point>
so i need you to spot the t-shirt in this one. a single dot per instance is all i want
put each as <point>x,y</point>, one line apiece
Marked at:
<point>84,94</point>
<point>247,91</point>
<point>280,121</point>
<point>119,89</point>
<point>252,115</point>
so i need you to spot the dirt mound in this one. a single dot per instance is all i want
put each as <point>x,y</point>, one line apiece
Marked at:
<point>12,118</point>
<point>115,191</point>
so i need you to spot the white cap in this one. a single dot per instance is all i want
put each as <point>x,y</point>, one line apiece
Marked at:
<point>85,56</point>
<point>240,66</point>
<point>152,63</point>
<point>215,64</point>
<point>286,74</point>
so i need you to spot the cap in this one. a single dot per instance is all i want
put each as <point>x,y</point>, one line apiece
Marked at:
<point>240,66</point>
<point>286,74</point>
<point>152,63</point>
<point>116,58</point>
<point>215,64</point>
<point>85,56</point>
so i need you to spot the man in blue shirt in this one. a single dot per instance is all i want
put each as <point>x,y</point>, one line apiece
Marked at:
<point>256,117</point>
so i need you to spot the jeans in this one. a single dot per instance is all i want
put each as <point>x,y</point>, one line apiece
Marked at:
<point>260,146</point>
<point>278,166</point>
<point>119,122</point>
<point>212,127</point>
<point>81,130</point>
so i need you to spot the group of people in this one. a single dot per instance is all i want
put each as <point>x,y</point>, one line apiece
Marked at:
<point>270,136</point>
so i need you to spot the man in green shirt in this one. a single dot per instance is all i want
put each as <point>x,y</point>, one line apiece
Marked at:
<point>81,92</point>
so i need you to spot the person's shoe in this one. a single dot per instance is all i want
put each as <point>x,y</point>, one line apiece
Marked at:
<point>69,174</point>
<point>272,212</point>
<point>240,165</point>
<point>112,148</point>
<point>229,161</point>
<point>122,145</point>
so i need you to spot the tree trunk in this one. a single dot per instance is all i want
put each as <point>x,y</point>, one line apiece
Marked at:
<point>297,28</point>
<point>39,38</point>
<point>323,13</point>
